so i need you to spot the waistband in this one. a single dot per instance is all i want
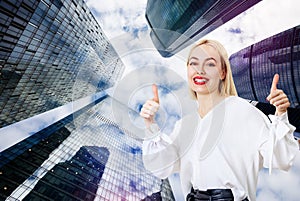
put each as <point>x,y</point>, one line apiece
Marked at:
<point>211,195</point>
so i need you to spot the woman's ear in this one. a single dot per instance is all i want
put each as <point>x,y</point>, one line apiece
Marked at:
<point>223,74</point>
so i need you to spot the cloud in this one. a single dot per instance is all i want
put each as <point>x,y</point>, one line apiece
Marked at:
<point>118,17</point>
<point>235,30</point>
<point>280,185</point>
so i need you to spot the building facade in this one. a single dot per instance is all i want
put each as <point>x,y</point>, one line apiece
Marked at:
<point>253,69</point>
<point>177,24</point>
<point>51,52</point>
<point>94,160</point>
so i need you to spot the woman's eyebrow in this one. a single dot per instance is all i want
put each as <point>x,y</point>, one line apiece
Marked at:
<point>209,58</point>
<point>193,58</point>
<point>206,59</point>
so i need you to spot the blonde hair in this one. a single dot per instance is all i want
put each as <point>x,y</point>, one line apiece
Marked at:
<point>227,86</point>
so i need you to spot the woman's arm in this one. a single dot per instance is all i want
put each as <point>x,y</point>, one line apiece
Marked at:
<point>279,146</point>
<point>159,153</point>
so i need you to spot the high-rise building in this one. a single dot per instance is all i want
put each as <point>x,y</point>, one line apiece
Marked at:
<point>99,160</point>
<point>253,69</point>
<point>177,24</point>
<point>51,52</point>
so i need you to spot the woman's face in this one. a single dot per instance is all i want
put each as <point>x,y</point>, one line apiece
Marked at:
<point>205,70</point>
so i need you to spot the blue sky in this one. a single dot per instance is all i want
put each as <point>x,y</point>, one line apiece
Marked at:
<point>125,25</point>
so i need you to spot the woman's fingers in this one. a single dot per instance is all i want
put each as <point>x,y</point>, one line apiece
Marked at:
<point>282,108</point>
<point>146,113</point>
<point>151,105</point>
<point>277,97</point>
<point>155,93</point>
<point>280,100</point>
<point>149,109</point>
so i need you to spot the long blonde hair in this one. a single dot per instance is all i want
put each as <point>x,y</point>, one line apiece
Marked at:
<point>227,86</point>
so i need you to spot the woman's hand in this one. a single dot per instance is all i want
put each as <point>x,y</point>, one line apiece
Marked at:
<point>150,108</point>
<point>278,98</point>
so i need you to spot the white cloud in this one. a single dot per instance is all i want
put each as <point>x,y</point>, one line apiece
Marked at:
<point>117,17</point>
<point>280,185</point>
<point>129,6</point>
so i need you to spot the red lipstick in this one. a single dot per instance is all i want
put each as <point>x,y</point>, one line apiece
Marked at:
<point>198,80</point>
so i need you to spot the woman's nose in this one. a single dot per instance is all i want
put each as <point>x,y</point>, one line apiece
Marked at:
<point>199,69</point>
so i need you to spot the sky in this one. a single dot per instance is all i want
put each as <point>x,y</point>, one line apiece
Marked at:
<point>124,23</point>
<point>268,17</point>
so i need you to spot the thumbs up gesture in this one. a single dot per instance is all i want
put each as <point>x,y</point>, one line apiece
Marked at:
<point>150,107</point>
<point>278,98</point>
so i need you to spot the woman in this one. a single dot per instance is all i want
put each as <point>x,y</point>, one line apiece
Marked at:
<point>219,150</point>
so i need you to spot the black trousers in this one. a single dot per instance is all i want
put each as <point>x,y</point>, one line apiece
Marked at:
<point>211,195</point>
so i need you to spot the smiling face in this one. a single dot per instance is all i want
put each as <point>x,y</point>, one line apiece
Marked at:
<point>205,70</point>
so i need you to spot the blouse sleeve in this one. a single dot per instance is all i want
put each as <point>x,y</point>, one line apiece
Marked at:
<point>160,153</point>
<point>278,146</point>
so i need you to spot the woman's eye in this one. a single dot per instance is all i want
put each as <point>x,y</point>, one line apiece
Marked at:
<point>193,63</point>
<point>210,64</point>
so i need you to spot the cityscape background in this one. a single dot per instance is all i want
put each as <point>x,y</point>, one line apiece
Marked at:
<point>72,84</point>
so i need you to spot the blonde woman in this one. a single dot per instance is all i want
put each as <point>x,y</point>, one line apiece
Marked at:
<point>219,150</point>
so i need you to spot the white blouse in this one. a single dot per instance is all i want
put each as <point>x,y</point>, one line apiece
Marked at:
<point>225,149</point>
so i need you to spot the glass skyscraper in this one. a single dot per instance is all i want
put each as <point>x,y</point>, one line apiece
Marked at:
<point>99,160</point>
<point>253,69</point>
<point>177,24</point>
<point>53,53</point>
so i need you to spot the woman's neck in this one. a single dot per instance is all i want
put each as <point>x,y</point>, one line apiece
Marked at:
<point>207,102</point>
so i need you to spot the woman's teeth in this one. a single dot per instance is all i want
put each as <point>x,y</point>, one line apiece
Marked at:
<point>200,80</point>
